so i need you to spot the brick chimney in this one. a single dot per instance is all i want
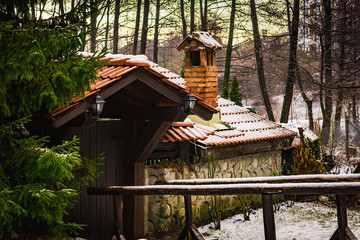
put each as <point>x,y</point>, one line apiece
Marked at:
<point>201,73</point>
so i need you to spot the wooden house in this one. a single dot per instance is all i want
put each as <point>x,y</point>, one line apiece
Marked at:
<point>140,104</point>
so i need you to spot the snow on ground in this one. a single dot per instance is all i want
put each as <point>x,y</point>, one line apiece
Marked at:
<point>305,220</point>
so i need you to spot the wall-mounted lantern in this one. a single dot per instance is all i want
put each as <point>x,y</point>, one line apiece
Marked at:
<point>97,106</point>
<point>189,103</point>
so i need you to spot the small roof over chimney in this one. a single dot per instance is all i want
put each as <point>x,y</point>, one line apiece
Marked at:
<point>203,38</point>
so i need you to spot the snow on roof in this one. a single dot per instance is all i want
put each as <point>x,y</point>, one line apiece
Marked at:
<point>307,133</point>
<point>203,37</point>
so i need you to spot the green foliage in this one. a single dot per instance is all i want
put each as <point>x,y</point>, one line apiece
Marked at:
<point>225,90</point>
<point>235,94</point>
<point>40,70</point>
<point>303,161</point>
<point>251,109</point>
<point>37,184</point>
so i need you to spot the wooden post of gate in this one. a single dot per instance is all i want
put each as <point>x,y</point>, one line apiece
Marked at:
<point>118,215</point>
<point>268,217</point>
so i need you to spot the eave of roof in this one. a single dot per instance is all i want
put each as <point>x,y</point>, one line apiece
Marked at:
<point>202,37</point>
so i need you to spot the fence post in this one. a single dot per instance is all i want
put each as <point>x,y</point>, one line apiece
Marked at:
<point>341,212</point>
<point>188,213</point>
<point>268,216</point>
<point>118,215</point>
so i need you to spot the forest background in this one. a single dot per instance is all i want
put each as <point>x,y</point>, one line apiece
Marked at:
<point>282,52</point>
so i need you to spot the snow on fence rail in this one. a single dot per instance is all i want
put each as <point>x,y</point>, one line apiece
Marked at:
<point>275,179</point>
<point>266,186</point>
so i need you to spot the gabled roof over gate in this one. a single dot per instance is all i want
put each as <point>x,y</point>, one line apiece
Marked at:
<point>147,83</point>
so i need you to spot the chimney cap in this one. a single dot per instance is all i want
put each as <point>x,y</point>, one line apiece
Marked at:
<point>202,37</point>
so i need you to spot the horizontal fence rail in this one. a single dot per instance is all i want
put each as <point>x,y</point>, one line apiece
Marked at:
<point>275,179</point>
<point>340,185</point>
<point>232,189</point>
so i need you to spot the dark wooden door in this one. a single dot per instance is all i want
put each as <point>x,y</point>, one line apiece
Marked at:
<point>97,211</point>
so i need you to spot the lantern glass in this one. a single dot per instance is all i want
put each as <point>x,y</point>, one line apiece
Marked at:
<point>189,103</point>
<point>97,106</point>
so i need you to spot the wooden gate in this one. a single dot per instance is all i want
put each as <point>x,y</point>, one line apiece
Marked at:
<point>97,213</point>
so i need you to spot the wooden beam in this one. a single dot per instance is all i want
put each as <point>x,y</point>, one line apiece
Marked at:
<point>234,189</point>
<point>140,112</point>
<point>63,118</point>
<point>152,134</point>
<point>150,139</point>
<point>275,179</point>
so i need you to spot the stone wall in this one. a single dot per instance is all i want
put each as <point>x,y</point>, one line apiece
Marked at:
<point>167,213</point>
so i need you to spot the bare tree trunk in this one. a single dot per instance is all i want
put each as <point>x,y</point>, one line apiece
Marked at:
<point>354,106</point>
<point>321,88</point>
<point>137,26</point>
<point>32,6</point>
<point>204,27</point>
<point>107,23</point>
<point>72,5</point>
<point>116,27</point>
<point>229,48</point>
<point>62,12</point>
<point>192,16</point>
<point>83,26</point>
<point>292,64</point>
<point>340,94</point>
<point>203,14</point>
<point>183,19</point>
<point>93,21</point>
<point>288,15</point>
<point>328,71</point>
<point>307,100</point>
<point>260,62</point>
<point>144,30</point>
<point>156,33</point>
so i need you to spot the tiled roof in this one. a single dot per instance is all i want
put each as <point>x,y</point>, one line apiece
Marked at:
<point>118,66</point>
<point>185,131</point>
<point>245,127</point>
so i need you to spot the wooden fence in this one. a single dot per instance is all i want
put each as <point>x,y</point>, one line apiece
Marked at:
<point>341,185</point>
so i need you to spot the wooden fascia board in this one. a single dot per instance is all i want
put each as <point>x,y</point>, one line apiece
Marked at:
<point>70,114</point>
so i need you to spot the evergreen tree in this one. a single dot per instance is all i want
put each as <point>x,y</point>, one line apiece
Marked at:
<point>235,94</point>
<point>38,184</point>
<point>39,71</point>
<point>225,90</point>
